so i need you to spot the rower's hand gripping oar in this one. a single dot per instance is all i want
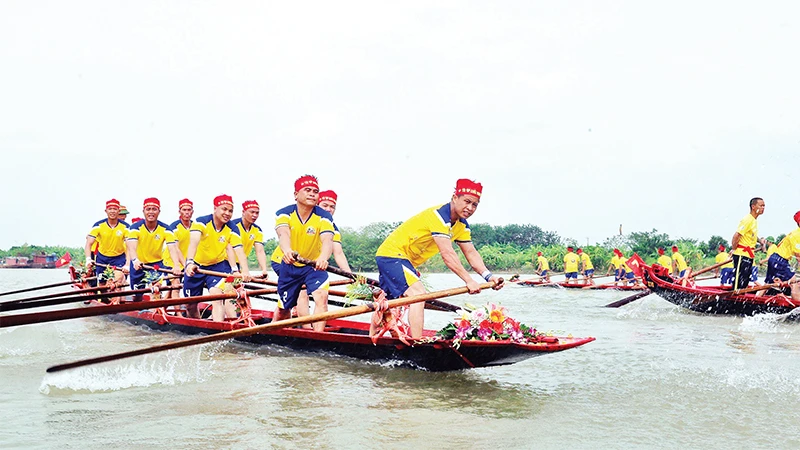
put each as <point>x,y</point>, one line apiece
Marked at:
<point>432,304</point>
<point>321,317</point>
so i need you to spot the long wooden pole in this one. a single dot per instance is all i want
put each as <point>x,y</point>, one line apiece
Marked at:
<point>79,298</point>
<point>47,286</point>
<point>59,294</point>
<point>347,312</point>
<point>75,313</point>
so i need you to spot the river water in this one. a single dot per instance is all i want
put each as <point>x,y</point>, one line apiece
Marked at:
<point>656,377</point>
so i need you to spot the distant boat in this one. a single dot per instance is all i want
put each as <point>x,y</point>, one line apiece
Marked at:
<point>38,261</point>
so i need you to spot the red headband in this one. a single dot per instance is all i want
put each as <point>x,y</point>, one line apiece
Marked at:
<point>539,254</point>
<point>580,250</point>
<point>152,201</point>
<point>797,217</point>
<point>250,204</point>
<point>722,248</point>
<point>660,251</point>
<point>328,196</point>
<point>185,202</point>
<point>469,187</point>
<point>306,181</point>
<point>674,248</point>
<point>113,202</point>
<point>223,200</point>
<point>136,219</point>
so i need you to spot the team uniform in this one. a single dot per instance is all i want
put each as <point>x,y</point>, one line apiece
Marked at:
<point>544,263</point>
<point>150,246</point>
<point>306,240</point>
<point>588,267</point>
<point>249,237</point>
<point>680,263</point>
<point>412,243</point>
<point>211,254</point>
<point>571,266</point>
<point>726,271</point>
<point>110,244</point>
<point>665,261</point>
<point>778,262</point>
<point>181,234</point>
<point>626,271</point>
<point>616,263</point>
<point>743,254</point>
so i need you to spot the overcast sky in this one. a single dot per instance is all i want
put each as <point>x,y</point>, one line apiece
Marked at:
<point>576,116</point>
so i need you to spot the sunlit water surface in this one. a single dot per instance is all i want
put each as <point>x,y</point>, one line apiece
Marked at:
<point>657,377</point>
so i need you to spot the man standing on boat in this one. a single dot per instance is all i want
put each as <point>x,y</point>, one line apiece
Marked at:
<point>146,242</point>
<point>252,235</point>
<point>180,229</point>
<point>419,238</point>
<point>110,234</point>
<point>679,265</point>
<point>571,261</point>
<point>664,260</point>
<point>214,245</point>
<point>778,268</point>
<point>586,267</point>
<point>724,272</point>
<point>542,266</point>
<point>616,264</point>
<point>744,242</point>
<point>306,229</point>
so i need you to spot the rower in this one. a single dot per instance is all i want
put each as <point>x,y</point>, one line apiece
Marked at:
<point>180,229</point>
<point>744,242</point>
<point>664,260</point>
<point>146,242</point>
<point>327,201</point>
<point>110,234</point>
<point>724,272</point>
<point>307,229</point>
<point>419,238</point>
<point>252,235</point>
<point>542,266</point>
<point>587,267</point>
<point>214,245</point>
<point>778,268</point>
<point>123,214</point>
<point>679,265</point>
<point>616,265</point>
<point>571,261</point>
<point>627,272</point>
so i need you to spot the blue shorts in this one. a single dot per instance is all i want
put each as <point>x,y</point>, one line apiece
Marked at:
<point>618,273</point>
<point>754,272</point>
<point>276,267</point>
<point>544,273</point>
<point>726,275</point>
<point>117,261</point>
<point>569,275</point>
<point>396,275</point>
<point>193,286</point>
<point>778,267</point>
<point>137,276</point>
<point>292,279</point>
<point>630,276</point>
<point>683,272</point>
<point>588,272</point>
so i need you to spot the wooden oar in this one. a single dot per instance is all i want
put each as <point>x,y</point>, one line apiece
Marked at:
<point>60,294</point>
<point>443,306</point>
<point>75,313</point>
<point>707,269</point>
<point>48,286</point>
<point>275,283</point>
<point>79,298</point>
<point>750,290</point>
<point>347,312</point>
<point>629,299</point>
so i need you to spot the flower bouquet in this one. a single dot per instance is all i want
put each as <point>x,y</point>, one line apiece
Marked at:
<point>489,322</point>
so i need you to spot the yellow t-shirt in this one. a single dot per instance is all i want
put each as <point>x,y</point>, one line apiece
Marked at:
<point>110,241</point>
<point>623,264</point>
<point>722,257</point>
<point>249,237</point>
<point>150,245</point>
<point>772,249</point>
<point>680,262</point>
<point>181,234</point>
<point>544,262</point>
<point>616,262</point>
<point>305,236</point>
<point>665,261</point>
<point>213,242</point>
<point>587,262</point>
<point>790,245</point>
<point>413,239</point>
<point>748,229</point>
<point>570,262</point>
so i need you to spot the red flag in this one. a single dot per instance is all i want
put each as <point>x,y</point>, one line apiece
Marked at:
<point>636,263</point>
<point>64,260</point>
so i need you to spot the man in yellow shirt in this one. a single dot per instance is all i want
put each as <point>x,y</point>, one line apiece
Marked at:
<point>778,268</point>
<point>679,265</point>
<point>664,260</point>
<point>724,272</point>
<point>571,262</point>
<point>252,235</point>
<point>586,267</point>
<point>616,265</point>
<point>542,266</point>
<point>146,242</point>
<point>419,238</point>
<point>109,234</point>
<point>744,243</point>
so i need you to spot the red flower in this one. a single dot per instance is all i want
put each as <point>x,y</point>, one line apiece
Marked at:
<point>463,324</point>
<point>156,267</point>
<point>229,279</point>
<point>497,327</point>
<point>486,324</point>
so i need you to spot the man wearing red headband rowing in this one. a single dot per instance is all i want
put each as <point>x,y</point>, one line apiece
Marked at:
<point>778,268</point>
<point>616,264</point>
<point>307,229</point>
<point>724,272</point>
<point>664,260</point>
<point>252,235</point>
<point>180,229</point>
<point>744,243</point>
<point>327,201</point>
<point>214,245</point>
<point>679,265</point>
<point>542,266</point>
<point>421,237</point>
<point>110,234</point>
<point>146,242</point>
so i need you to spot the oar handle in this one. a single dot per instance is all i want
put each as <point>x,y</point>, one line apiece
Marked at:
<point>338,271</point>
<point>80,298</point>
<point>48,286</point>
<point>710,268</point>
<point>330,315</point>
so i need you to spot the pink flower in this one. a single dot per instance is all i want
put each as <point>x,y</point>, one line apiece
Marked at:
<point>484,334</point>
